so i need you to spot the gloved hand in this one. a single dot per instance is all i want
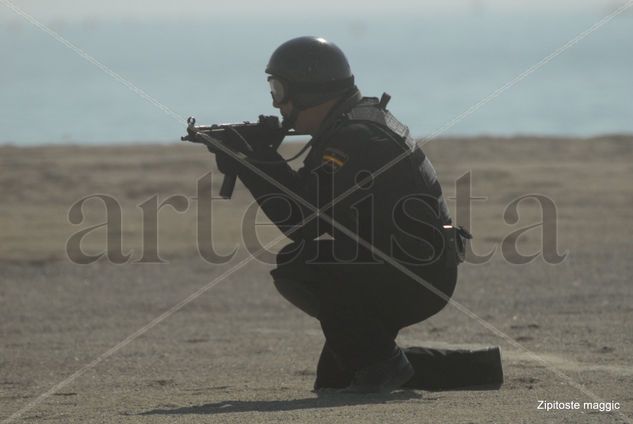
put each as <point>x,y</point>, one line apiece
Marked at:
<point>230,166</point>
<point>227,164</point>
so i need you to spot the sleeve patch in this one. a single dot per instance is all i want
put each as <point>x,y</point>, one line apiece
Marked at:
<point>333,159</point>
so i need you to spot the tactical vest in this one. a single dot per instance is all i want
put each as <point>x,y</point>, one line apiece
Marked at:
<point>373,111</point>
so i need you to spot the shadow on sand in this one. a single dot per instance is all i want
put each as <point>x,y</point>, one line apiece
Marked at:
<point>322,401</point>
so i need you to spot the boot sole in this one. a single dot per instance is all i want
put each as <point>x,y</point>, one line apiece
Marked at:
<point>403,376</point>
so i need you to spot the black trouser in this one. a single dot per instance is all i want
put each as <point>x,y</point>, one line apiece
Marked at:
<point>361,304</point>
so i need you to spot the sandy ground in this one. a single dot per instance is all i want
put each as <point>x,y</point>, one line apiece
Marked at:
<point>239,353</point>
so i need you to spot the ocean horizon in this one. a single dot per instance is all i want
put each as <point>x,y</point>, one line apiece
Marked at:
<point>434,68</point>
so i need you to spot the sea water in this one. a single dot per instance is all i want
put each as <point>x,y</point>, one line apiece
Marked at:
<point>435,69</point>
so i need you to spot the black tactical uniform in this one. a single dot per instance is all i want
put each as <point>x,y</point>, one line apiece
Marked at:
<point>360,301</point>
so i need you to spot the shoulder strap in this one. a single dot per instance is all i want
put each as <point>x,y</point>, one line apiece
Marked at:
<point>369,110</point>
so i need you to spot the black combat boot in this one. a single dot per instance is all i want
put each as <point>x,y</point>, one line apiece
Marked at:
<point>331,374</point>
<point>383,376</point>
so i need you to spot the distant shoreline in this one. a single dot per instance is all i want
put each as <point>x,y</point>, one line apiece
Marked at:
<point>141,143</point>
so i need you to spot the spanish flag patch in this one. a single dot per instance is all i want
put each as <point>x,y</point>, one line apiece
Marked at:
<point>333,159</point>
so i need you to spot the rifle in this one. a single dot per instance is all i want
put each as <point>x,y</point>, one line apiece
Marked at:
<point>266,132</point>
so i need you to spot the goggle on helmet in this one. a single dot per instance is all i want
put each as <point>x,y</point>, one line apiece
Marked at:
<point>278,90</point>
<point>281,90</point>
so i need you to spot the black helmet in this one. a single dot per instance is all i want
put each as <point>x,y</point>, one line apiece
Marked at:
<point>309,71</point>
